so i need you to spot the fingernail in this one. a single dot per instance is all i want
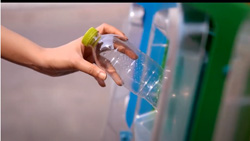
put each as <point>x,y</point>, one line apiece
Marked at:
<point>102,75</point>
<point>120,83</point>
<point>125,37</point>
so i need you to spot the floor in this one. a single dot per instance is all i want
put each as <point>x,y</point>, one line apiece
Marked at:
<point>36,107</point>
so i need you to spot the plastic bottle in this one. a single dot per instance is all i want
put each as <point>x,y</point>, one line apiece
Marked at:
<point>125,64</point>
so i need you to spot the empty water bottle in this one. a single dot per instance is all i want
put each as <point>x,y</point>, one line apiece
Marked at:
<point>126,64</point>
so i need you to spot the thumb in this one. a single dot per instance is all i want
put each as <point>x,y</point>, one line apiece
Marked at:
<point>91,69</point>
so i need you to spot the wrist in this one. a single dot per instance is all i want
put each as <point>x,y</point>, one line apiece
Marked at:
<point>39,60</point>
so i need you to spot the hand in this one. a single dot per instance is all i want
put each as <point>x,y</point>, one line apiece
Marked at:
<point>74,56</point>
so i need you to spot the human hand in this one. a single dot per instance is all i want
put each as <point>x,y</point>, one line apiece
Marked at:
<point>74,56</point>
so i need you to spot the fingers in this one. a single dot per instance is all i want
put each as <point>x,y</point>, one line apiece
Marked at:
<point>108,29</point>
<point>125,50</point>
<point>90,69</point>
<point>122,37</point>
<point>100,82</point>
<point>111,70</point>
<point>114,75</point>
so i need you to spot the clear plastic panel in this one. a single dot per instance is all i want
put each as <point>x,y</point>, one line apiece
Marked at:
<point>144,125</point>
<point>176,100</point>
<point>233,119</point>
<point>157,46</point>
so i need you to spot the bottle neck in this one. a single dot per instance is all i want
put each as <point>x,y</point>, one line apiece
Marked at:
<point>95,40</point>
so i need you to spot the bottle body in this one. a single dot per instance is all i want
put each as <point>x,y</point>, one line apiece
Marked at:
<point>141,75</point>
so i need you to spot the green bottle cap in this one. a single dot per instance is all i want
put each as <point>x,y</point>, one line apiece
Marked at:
<point>89,37</point>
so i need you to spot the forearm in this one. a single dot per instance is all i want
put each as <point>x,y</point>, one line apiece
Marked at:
<point>65,59</point>
<point>18,49</point>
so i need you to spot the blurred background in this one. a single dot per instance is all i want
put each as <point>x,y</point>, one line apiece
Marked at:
<point>36,107</point>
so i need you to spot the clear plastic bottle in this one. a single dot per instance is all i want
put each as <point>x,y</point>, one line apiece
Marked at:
<point>125,64</point>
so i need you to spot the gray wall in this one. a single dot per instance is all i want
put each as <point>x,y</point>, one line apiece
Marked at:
<point>36,107</point>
